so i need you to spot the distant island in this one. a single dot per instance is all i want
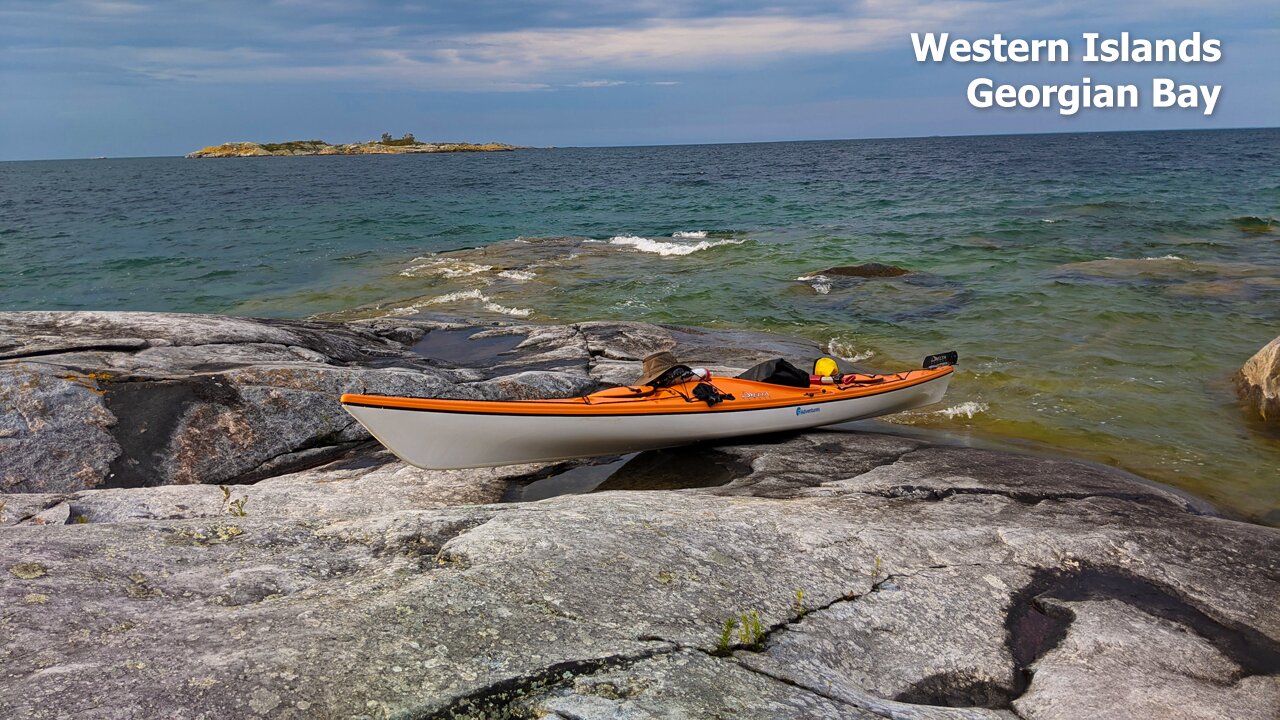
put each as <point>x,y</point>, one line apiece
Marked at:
<point>387,145</point>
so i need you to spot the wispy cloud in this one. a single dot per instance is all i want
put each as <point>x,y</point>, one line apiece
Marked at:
<point>534,58</point>
<point>539,44</point>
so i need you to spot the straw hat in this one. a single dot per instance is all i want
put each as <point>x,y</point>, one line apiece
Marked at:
<point>656,364</point>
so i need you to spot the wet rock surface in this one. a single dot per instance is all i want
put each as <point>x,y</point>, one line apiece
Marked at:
<point>865,270</point>
<point>865,575</point>
<point>1258,383</point>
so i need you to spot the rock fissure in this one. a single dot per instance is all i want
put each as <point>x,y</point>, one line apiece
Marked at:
<point>131,348</point>
<point>497,699</point>
<point>719,657</point>
<point>926,494</point>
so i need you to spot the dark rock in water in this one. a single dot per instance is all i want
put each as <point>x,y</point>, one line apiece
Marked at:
<point>1258,382</point>
<point>865,270</point>
<point>864,575</point>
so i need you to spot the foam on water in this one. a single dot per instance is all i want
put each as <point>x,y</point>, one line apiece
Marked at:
<point>964,409</point>
<point>444,266</point>
<point>513,311</point>
<point>463,296</point>
<point>662,247</point>
<point>518,275</point>
<point>689,234</point>
<point>1162,257</point>
<point>821,284</point>
<point>845,350</point>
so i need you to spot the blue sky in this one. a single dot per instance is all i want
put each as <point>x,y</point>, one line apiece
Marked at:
<point>82,78</point>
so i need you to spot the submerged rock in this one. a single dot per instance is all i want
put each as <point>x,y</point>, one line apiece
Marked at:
<point>831,574</point>
<point>864,270</point>
<point>1258,382</point>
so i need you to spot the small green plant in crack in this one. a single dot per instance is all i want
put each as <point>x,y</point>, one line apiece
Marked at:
<point>233,507</point>
<point>876,573</point>
<point>726,636</point>
<point>750,633</point>
<point>800,609</point>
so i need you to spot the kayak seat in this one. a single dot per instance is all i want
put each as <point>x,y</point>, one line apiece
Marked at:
<point>777,372</point>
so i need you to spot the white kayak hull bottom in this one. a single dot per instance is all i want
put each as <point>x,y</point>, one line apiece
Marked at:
<point>452,440</point>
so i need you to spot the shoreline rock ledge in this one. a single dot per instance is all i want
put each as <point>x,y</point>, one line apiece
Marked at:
<point>830,574</point>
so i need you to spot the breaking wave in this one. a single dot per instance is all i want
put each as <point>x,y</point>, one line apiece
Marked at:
<point>689,234</point>
<point>964,409</point>
<point>444,266</point>
<point>486,302</point>
<point>820,283</point>
<point>845,350</point>
<point>663,247</point>
<point>519,275</point>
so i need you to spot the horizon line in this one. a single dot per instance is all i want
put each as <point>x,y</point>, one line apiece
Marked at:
<point>734,142</point>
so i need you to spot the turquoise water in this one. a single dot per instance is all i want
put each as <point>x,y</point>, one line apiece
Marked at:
<point>1101,288</point>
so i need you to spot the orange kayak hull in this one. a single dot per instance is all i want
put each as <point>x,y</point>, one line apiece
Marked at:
<point>446,434</point>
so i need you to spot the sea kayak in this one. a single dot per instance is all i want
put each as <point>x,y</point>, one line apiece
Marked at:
<point>449,434</point>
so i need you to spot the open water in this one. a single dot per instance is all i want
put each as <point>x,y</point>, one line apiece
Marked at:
<point>1100,288</point>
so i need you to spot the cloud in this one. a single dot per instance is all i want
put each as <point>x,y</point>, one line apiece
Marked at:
<point>662,44</point>
<point>539,44</point>
<point>533,58</point>
<point>105,7</point>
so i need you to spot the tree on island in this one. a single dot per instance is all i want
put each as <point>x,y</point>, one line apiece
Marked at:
<point>406,139</point>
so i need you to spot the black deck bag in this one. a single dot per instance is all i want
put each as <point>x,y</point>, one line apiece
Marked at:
<point>778,372</point>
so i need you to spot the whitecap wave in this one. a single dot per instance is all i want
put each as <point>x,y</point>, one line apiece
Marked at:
<point>514,311</point>
<point>447,267</point>
<point>456,296</point>
<point>486,302</point>
<point>1162,257</point>
<point>662,247</point>
<point>518,275</point>
<point>821,284</point>
<point>689,234</point>
<point>845,350</point>
<point>964,409</point>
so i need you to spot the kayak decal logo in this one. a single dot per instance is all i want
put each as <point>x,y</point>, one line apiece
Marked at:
<point>806,411</point>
